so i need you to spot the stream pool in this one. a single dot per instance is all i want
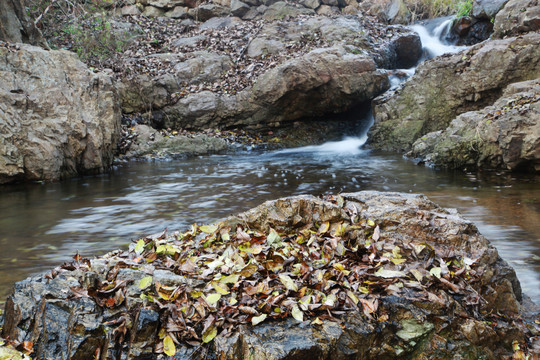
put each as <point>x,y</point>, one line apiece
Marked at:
<point>43,225</point>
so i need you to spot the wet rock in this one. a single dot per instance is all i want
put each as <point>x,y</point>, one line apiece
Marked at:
<point>151,144</point>
<point>450,85</point>
<point>517,17</point>
<point>57,118</point>
<point>503,136</point>
<point>435,317</point>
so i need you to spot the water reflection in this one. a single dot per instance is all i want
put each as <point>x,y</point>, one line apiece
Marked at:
<point>43,225</point>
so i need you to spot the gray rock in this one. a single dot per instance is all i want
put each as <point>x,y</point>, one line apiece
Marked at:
<point>204,67</point>
<point>327,10</point>
<point>280,10</point>
<point>191,41</point>
<point>150,144</point>
<point>487,9</point>
<point>238,8</point>
<point>179,12</point>
<point>130,10</point>
<point>312,4</point>
<point>517,17</point>
<point>166,4</point>
<point>151,11</point>
<point>208,11</point>
<point>261,46</point>
<point>322,81</point>
<point>220,23</point>
<point>57,118</point>
<point>447,86</point>
<point>16,26</point>
<point>503,136</point>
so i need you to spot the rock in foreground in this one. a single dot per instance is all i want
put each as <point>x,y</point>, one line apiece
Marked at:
<point>57,118</point>
<point>364,275</point>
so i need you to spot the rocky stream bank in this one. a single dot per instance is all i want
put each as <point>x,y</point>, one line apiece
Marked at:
<point>363,275</point>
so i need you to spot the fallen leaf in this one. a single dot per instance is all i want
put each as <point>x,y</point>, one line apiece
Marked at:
<point>168,346</point>
<point>145,282</point>
<point>258,319</point>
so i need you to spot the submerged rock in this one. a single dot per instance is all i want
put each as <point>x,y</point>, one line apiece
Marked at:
<point>449,85</point>
<point>366,275</point>
<point>57,118</point>
<point>503,136</point>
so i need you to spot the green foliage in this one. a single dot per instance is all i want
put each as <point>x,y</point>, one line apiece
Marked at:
<point>94,37</point>
<point>464,8</point>
<point>82,26</point>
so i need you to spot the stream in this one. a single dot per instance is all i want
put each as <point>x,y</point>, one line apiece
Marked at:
<point>43,225</point>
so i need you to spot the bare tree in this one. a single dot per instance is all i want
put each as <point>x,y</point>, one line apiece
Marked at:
<point>16,26</point>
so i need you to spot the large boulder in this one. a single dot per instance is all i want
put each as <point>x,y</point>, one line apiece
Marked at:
<point>503,136</point>
<point>57,118</point>
<point>447,86</point>
<point>329,80</point>
<point>364,275</point>
<point>517,17</point>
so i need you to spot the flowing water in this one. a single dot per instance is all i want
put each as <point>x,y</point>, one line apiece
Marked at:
<point>42,225</point>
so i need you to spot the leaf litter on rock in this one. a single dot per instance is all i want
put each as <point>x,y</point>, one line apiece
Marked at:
<point>343,266</point>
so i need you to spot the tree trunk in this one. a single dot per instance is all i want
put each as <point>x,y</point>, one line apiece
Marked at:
<point>16,26</point>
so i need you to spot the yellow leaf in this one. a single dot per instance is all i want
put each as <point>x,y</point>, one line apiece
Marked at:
<point>353,297</point>
<point>324,227</point>
<point>220,288</point>
<point>209,229</point>
<point>371,222</point>
<point>209,334</point>
<point>436,271</point>
<point>168,346</point>
<point>213,298</point>
<point>317,321</point>
<point>139,248</point>
<point>288,282</point>
<point>363,290</point>
<point>230,279</point>
<point>145,282</point>
<point>297,313</point>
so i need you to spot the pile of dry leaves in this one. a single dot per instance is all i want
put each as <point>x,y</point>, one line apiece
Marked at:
<point>318,272</point>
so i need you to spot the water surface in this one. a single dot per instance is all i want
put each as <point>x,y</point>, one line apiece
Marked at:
<point>43,225</point>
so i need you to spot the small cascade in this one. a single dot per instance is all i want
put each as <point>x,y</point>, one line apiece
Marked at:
<point>433,41</point>
<point>433,35</point>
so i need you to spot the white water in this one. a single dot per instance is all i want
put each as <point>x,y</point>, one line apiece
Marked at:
<point>432,45</point>
<point>431,41</point>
